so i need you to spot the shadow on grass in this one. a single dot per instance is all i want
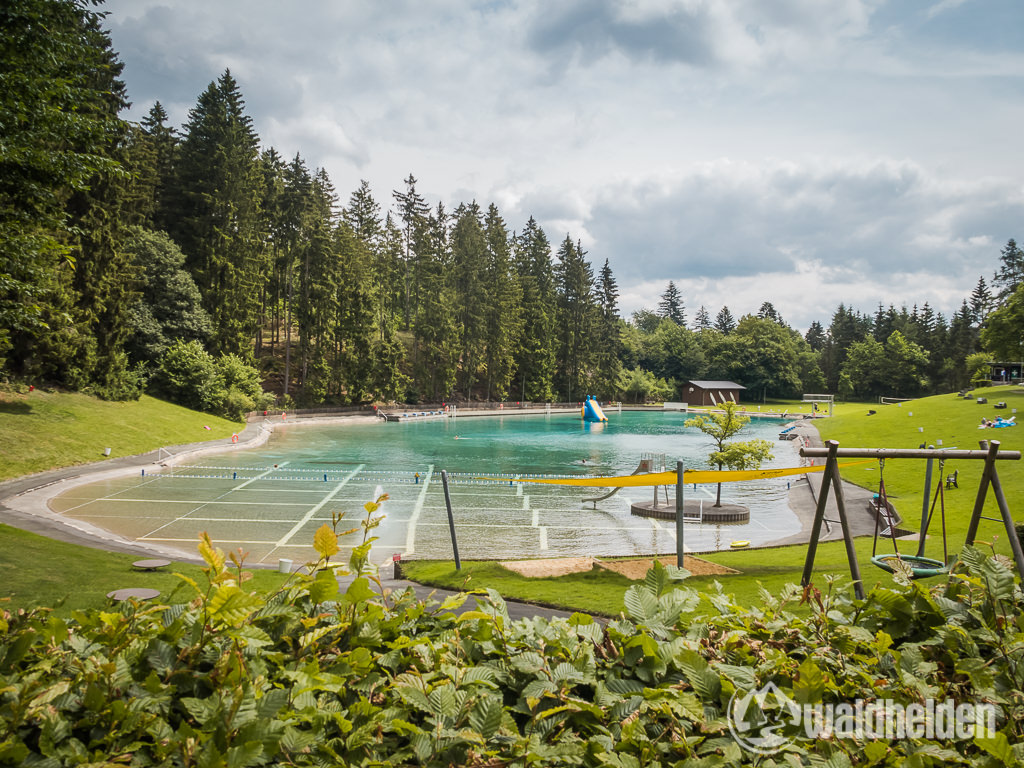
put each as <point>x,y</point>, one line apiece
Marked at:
<point>15,407</point>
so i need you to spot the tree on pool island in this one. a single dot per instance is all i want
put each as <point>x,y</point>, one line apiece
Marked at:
<point>720,427</point>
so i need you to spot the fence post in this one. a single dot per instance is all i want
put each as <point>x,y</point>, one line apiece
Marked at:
<point>451,519</point>
<point>680,549</point>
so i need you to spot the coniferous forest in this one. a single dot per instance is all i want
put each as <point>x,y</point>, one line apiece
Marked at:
<point>197,263</point>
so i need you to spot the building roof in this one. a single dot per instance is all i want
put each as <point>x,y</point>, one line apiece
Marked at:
<point>717,384</point>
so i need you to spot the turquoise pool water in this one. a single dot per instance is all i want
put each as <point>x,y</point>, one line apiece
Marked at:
<point>271,499</point>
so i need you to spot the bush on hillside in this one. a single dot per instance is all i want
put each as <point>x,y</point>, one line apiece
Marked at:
<point>225,386</point>
<point>309,675</point>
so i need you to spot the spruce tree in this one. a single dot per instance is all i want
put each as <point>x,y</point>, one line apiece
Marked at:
<point>671,305</point>
<point>538,348</point>
<point>608,338</point>
<point>413,210</point>
<point>725,323</point>
<point>436,358</point>
<point>102,288</point>
<point>815,336</point>
<point>503,298</point>
<point>981,302</point>
<point>702,320</point>
<point>1011,269</point>
<point>58,112</point>
<point>576,315</point>
<point>216,199</point>
<point>469,261</point>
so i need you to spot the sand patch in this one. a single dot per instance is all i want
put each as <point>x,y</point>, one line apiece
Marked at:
<point>637,569</point>
<point>535,569</point>
<point>631,569</point>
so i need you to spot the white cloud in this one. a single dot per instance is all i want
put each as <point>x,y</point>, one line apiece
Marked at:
<point>799,151</point>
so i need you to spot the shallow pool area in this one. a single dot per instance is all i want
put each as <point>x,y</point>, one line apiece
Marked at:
<point>270,500</point>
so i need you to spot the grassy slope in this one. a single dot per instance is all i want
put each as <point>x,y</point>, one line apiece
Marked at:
<point>952,420</point>
<point>38,571</point>
<point>45,430</point>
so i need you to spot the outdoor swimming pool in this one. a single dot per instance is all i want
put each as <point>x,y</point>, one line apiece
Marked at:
<point>270,500</point>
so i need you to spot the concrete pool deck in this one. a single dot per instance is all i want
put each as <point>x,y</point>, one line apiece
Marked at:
<point>25,502</point>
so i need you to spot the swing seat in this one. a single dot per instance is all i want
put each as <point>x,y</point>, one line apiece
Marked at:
<point>920,567</point>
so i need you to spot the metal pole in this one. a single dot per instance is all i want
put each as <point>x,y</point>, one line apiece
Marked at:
<point>680,549</point>
<point>819,514</point>
<point>451,519</point>
<point>924,503</point>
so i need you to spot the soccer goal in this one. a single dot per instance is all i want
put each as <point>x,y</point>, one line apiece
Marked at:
<point>819,403</point>
<point>893,400</point>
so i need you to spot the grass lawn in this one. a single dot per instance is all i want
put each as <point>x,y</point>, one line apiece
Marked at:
<point>946,418</point>
<point>35,570</point>
<point>45,430</point>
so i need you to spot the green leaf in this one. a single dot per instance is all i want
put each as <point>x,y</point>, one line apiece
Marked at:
<point>359,591</point>
<point>485,717</point>
<point>231,605</point>
<point>640,603</point>
<point>705,681</point>
<point>323,587</point>
<point>454,602</point>
<point>998,746</point>
<point>998,579</point>
<point>809,686</point>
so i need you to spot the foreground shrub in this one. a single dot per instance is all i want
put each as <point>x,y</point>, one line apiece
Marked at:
<point>312,676</point>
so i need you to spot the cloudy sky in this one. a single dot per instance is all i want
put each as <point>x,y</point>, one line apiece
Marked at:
<point>804,152</point>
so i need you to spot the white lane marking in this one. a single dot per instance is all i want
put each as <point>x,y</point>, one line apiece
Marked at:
<point>410,536</point>
<point>313,510</point>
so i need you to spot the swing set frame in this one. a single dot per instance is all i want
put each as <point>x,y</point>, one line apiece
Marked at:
<point>832,481</point>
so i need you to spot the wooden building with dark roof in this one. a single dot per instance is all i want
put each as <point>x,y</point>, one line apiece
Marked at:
<point>703,394</point>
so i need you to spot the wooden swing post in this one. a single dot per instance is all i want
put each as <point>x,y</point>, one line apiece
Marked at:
<point>990,453</point>
<point>832,479</point>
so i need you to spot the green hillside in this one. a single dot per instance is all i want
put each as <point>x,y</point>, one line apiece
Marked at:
<point>45,430</point>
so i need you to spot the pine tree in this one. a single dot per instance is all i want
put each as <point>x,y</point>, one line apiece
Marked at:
<point>702,320</point>
<point>608,338</point>
<point>724,321</point>
<point>536,363</point>
<point>60,124</point>
<point>503,295</point>
<point>768,312</point>
<point>576,314</point>
<point>671,305</point>
<point>362,214</point>
<point>981,302</point>
<point>413,210</point>
<point>469,262</point>
<point>815,336</point>
<point>216,206</point>
<point>102,286</point>
<point>274,272</point>
<point>437,338</point>
<point>1011,270</point>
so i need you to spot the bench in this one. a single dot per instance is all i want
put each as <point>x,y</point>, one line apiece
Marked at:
<point>951,479</point>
